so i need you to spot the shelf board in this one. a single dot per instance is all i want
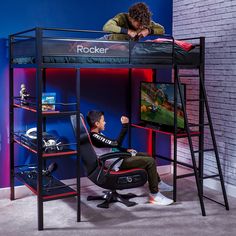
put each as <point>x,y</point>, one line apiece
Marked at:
<point>45,155</point>
<point>46,113</point>
<point>179,135</point>
<point>65,153</point>
<point>25,146</point>
<point>57,190</point>
<point>151,129</point>
<point>24,107</point>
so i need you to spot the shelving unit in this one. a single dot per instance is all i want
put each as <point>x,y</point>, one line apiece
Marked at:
<point>45,187</point>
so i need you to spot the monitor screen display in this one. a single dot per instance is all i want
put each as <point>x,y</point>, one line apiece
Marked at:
<point>157,104</point>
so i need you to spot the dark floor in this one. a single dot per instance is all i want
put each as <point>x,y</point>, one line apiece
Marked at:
<point>19,217</point>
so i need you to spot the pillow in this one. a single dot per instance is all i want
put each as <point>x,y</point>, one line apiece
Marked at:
<point>183,44</point>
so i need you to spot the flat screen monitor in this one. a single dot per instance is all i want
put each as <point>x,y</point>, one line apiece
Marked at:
<point>157,104</point>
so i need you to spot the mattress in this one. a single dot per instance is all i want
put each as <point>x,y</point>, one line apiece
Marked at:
<point>88,51</point>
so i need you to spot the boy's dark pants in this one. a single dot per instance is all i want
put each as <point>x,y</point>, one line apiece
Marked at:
<point>148,163</point>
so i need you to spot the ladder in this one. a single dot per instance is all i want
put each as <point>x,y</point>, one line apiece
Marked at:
<point>189,134</point>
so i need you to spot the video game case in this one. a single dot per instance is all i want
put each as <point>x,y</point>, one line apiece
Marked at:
<point>48,101</point>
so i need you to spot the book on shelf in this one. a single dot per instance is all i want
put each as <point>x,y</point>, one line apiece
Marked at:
<point>48,102</point>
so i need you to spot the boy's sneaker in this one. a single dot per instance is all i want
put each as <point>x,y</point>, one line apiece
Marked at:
<point>159,199</point>
<point>163,187</point>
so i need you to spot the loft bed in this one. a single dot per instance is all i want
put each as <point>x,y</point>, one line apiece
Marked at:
<point>83,52</point>
<point>43,48</point>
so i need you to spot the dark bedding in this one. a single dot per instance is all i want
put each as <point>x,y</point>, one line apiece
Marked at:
<point>161,53</point>
<point>104,52</point>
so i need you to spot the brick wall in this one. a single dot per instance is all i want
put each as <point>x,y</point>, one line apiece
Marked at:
<point>216,20</point>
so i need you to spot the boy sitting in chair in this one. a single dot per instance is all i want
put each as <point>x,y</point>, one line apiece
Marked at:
<point>103,145</point>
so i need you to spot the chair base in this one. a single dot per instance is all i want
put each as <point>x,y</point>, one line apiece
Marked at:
<point>113,196</point>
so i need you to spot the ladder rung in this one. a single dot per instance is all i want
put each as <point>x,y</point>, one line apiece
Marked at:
<point>190,75</point>
<point>185,175</point>
<point>185,135</point>
<point>195,100</point>
<point>210,176</point>
<point>178,162</point>
<point>197,125</point>
<point>205,150</point>
<point>214,200</point>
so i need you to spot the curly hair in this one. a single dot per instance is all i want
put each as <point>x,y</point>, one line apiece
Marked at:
<point>141,13</point>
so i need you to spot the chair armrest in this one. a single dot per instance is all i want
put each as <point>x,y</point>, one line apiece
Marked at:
<point>110,155</point>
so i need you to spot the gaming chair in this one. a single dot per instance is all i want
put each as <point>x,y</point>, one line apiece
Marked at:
<point>105,177</point>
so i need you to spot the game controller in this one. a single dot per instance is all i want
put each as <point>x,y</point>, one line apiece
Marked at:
<point>133,153</point>
<point>50,142</point>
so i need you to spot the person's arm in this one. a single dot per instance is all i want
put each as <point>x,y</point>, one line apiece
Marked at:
<point>100,140</point>
<point>116,25</point>
<point>122,134</point>
<point>156,28</point>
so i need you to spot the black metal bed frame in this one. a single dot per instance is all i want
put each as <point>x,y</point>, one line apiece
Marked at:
<point>41,120</point>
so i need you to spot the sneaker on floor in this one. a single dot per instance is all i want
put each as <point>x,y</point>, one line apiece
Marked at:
<point>163,187</point>
<point>159,199</point>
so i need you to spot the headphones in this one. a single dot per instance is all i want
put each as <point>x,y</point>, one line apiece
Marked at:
<point>32,133</point>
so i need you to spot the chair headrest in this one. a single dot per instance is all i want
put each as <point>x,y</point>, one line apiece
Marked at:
<point>87,154</point>
<point>84,134</point>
